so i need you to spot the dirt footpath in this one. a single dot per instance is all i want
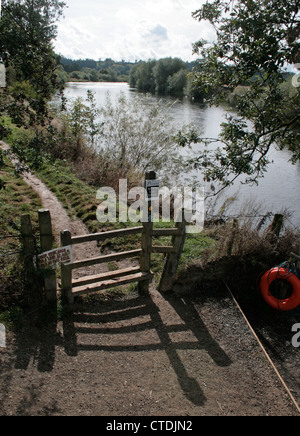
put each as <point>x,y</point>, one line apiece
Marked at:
<point>141,356</point>
<point>138,356</point>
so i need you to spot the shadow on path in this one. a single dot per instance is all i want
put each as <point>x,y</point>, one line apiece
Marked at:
<point>190,322</point>
<point>163,315</point>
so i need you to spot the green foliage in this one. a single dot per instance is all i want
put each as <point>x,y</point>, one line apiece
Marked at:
<point>142,77</point>
<point>82,118</point>
<point>255,40</point>
<point>163,71</point>
<point>27,144</point>
<point>27,30</point>
<point>16,199</point>
<point>140,137</point>
<point>177,82</point>
<point>90,70</point>
<point>61,75</point>
<point>166,76</point>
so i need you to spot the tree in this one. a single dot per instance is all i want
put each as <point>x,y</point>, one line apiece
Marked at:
<point>177,82</point>
<point>163,69</point>
<point>28,28</point>
<point>140,137</point>
<point>141,77</point>
<point>165,76</point>
<point>255,40</point>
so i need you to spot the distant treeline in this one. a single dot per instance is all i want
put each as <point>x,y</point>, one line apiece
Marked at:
<point>90,70</point>
<point>168,76</point>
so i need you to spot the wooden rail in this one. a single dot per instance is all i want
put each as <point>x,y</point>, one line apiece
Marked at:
<point>141,274</point>
<point>103,236</point>
<point>95,283</point>
<point>105,259</point>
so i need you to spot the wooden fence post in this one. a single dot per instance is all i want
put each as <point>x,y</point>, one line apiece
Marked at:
<point>28,242</point>
<point>232,236</point>
<point>66,271</point>
<point>172,259</point>
<point>145,261</point>
<point>46,239</point>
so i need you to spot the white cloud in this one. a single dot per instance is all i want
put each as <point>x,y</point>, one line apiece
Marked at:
<point>130,29</point>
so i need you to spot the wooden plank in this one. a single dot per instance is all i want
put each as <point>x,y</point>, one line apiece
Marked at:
<point>108,284</point>
<point>172,259</point>
<point>104,259</point>
<point>27,236</point>
<point>104,276</point>
<point>166,232</point>
<point>66,270</point>
<point>106,235</point>
<point>163,249</point>
<point>46,239</point>
<point>146,237</point>
<point>28,252</point>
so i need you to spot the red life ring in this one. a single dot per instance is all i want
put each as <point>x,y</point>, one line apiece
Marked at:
<point>280,273</point>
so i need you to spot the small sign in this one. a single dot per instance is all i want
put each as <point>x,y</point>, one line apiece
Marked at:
<point>2,336</point>
<point>52,259</point>
<point>152,189</point>
<point>2,74</point>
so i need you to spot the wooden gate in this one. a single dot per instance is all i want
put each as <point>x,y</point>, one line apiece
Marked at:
<point>71,287</point>
<point>142,274</point>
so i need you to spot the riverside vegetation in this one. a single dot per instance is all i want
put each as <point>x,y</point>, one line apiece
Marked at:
<point>74,170</point>
<point>76,149</point>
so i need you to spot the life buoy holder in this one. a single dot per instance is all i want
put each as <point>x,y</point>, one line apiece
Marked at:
<point>281,273</point>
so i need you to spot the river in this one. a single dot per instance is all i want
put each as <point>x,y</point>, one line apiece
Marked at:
<point>279,189</point>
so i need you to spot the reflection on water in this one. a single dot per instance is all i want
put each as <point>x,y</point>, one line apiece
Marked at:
<point>278,190</point>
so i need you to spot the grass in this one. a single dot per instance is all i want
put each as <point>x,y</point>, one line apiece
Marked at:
<point>80,201</point>
<point>15,200</point>
<point>79,198</point>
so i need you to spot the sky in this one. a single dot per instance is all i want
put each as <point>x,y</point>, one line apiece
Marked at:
<point>130,29</point>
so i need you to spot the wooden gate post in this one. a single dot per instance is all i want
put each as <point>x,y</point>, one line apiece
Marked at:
<point>28,243</point>
<point>172,259</point>
<point>145,261</point>
<point>46,239</point>
<point>66,271</point>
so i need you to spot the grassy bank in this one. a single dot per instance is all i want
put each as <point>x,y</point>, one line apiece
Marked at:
<point>16,199</point>
<point>79,199</point>
<point>224,252</point>
<point>237,254</point>
<point>69,166</point>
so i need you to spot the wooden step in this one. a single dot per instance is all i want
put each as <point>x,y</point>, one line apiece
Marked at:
<point>111,283</point>
<point>105,259</point>
<point>87,280</point>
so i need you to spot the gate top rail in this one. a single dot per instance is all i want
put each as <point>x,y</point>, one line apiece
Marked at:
<point>102,236</point>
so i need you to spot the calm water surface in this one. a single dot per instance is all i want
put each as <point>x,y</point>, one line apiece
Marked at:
<point>278,190</point>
